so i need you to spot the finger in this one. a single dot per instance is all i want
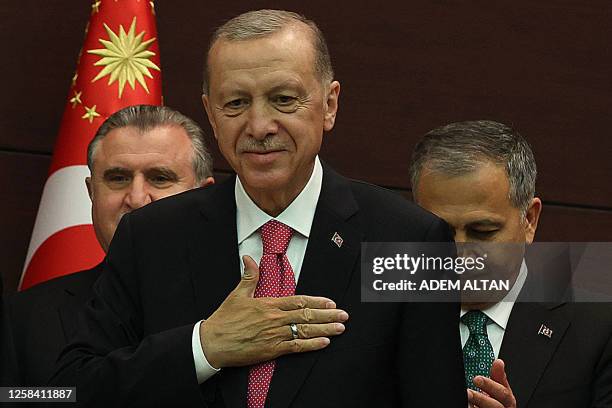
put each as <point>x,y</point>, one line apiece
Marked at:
<point>469,397</point>
<point>469,392</point>
<point>498,372</point>
<point>301,345</point>
<point>250,277</point>
<point>482,401</point>
<point>495,390</point>
<point>308,315</point>
<point>303,301</point>
<point>309,331</point>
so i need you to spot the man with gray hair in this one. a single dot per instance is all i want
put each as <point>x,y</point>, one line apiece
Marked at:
<point>287,328</point>
<point>139,154</point>
<point>480,177</point>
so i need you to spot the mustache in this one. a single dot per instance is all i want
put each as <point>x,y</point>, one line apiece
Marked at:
<point>269,144</point>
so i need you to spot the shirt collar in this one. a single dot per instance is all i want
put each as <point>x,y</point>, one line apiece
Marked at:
<point>499,313</point>
<point>298,215</point>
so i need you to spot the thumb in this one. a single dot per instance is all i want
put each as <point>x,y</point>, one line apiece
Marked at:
<point>249,280</point>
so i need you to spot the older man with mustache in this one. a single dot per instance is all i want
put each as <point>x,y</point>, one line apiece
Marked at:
<point>179,321</point>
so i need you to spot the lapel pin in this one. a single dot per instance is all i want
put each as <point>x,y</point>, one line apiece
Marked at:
<point>337,239</point>
<point>545,331</point>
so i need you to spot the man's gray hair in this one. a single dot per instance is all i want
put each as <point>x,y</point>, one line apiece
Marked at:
<point>460,148</point>
<point>262,23</point>
<point>148,117</point>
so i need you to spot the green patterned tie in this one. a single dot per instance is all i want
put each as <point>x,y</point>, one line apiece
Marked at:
<point>478,353</point>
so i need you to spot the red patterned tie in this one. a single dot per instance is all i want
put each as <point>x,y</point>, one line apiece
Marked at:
<point>276,279</point>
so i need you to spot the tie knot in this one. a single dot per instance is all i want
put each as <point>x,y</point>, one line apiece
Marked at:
<point>476,321</point>
<point>275,237</point>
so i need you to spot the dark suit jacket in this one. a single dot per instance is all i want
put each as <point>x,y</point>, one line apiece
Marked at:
<point>174,261</point>
<point>40,320</point>
<point>573,367</point>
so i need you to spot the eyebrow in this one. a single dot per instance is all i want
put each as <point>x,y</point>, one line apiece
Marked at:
<point>485,223</point>
<point>153,170</point>
<point>116,170</point>
<point>162,170</point>
<point>290,84</point>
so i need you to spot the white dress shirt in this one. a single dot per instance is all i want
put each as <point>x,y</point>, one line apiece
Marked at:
<point>249,218</point>
<point>499,313</point>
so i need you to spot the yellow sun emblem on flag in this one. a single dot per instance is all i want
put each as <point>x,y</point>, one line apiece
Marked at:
<point>125,58</point>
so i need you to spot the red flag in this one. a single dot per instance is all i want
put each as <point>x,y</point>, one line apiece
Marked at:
<point>118,66</point>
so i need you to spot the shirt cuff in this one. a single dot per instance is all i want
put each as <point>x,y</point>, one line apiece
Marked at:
<point>203,368</point>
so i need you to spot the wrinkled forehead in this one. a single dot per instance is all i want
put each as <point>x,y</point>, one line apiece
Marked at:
<point>480,193</point>
<point>130,147</point>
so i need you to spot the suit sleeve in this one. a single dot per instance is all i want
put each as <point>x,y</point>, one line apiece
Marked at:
<point>110,361</point>
<point>430,356</point>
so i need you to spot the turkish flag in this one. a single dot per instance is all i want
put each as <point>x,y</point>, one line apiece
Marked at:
<point>118,66</point>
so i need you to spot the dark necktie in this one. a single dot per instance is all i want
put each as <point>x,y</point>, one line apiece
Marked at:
<point>478,353</point>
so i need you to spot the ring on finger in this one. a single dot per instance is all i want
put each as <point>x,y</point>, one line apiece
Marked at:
<point>294,331</point>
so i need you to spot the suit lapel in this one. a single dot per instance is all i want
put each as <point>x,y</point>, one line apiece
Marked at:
<point>326,271</point>
<point>215,271</point>
<point>525,350</point>
<point>213,249</point>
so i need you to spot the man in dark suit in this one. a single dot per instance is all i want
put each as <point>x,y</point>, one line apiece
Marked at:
<point>140,154</point>
<point>173,322</point>
<point>551,352</point>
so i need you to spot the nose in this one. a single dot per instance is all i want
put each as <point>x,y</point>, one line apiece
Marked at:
<point>138,194</point>
<point>467,248</point>
<point>261,121</point>
<point>459,236</point>
<point>460,241</point>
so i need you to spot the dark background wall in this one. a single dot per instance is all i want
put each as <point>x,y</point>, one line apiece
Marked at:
<point>405,67</point>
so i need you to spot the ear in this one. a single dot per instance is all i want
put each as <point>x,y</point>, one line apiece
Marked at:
<point>331,102</point>
<point>207,182</point>
<point>531,219</point>
<point>89,188</point>
<point>211,118</point>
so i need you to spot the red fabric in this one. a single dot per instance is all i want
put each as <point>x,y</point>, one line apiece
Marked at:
<point>76,131</point>
<point>69,250</point>
<point>276,279</point>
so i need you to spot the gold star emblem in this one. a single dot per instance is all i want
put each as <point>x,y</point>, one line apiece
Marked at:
<point>74,78</point>
<point>95,7</point>
<point>152,4</point>
<point>125,57</point>
<point>76,99</point>
<point>90,113</point>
